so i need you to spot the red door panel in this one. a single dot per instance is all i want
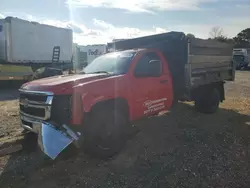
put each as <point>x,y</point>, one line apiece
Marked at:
<point>150,94</point>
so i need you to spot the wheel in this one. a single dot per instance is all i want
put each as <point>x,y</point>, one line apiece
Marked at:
<point>105,135</point>
<point>208,101</point>
<point>238,68</point>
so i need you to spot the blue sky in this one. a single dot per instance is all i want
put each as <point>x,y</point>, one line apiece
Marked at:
<point>99,21</point>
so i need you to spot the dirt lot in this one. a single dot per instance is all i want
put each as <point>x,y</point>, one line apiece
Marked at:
<point>181,149</point>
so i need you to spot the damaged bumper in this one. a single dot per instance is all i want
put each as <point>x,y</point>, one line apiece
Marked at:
<point>51,140</point>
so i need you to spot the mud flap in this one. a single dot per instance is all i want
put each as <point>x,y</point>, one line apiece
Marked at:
<point>52,141</point>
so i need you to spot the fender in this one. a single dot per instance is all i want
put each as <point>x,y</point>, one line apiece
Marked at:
<point>89,101</point>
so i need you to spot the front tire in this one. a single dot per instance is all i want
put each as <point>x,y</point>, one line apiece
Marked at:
<point>105,134</point>
<point>208,101</point>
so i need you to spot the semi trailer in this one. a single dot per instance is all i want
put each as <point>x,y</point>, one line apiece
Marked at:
<point>26,46</point>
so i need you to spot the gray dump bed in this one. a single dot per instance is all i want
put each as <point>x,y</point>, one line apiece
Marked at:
<point>209,61</point>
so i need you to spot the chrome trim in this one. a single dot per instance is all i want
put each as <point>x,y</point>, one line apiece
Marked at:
<point>51,140</point>
<point>35,124</point>
<point>47,113</point>
<point>28,128</point>
<point>70,132</point>
<point>36,92</point>
<point>47,102</point>
<point>46,105</point>
<point>33,105</point>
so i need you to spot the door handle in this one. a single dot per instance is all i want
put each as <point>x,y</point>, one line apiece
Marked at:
<point>164,81</point>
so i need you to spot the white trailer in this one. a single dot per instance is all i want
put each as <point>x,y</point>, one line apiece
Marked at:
<point>90,52</point>
<point>26,46</point>
<point>75,58</point>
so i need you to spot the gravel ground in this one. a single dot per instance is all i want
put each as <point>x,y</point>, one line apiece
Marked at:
<point>181,149</point>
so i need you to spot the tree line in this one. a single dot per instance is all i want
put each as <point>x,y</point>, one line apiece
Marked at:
<point>241,40</point>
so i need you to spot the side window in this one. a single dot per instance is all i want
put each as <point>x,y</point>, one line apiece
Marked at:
<point>149,65</point>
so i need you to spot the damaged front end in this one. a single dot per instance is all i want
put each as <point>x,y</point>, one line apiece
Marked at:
<point>53,141</point>
<point>48,116</point>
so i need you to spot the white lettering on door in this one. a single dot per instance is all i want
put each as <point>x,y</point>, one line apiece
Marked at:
<point>154,105</point>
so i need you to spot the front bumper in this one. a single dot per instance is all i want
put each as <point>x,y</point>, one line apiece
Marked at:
<point>51,140</point>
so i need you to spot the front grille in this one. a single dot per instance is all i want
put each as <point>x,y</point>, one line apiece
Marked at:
<point>45,106</point>
<point>32,97</point>
<point>36,104</point>
<point>38,112</point>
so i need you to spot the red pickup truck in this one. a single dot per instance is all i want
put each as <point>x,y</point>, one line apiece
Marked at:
<point>145,77</point>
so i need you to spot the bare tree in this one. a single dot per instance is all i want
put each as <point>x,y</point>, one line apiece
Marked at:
<point>216,32</point>
<point>190,35</point>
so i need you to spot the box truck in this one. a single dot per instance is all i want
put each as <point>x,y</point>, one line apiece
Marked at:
<point>26,46</point>
<point>241,57</point>
<point>89,52</point>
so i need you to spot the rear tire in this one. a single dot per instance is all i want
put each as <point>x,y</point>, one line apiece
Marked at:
<point>208,101</point>
<point>105,135</point>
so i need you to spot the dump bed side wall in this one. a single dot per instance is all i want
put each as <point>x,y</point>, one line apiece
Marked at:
<point>209,61</point>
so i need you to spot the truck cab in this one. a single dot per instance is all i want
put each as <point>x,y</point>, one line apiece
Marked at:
<point>241,57</point>
<point>135,83</point>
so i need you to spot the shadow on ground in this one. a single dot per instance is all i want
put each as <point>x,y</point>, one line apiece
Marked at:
<point>245,69</point>
<point>9,94</point>
<point>9,90</point>
<point>181,149</point>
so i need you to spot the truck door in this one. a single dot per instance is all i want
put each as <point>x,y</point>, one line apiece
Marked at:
<point>151,85</point>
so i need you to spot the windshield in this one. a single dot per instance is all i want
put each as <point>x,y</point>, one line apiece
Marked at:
<point>113,63</point>
<point>238,58</point>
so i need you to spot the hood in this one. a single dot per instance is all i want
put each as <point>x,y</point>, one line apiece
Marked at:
<point>63,83</point>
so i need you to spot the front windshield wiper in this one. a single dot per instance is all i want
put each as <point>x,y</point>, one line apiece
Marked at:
<point>98,72</point>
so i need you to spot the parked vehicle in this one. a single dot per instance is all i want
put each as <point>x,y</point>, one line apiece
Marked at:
<point>94,108</point>
<point>26,46</point>
<point>241,57</point>
<point>45,72</point>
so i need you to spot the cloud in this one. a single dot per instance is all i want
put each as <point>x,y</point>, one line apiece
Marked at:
<point>102,24</point>
<point>103,31</point>
<point>112,32</point>
<point>106,32</point>
<point>243,6</point>
<point>148,6</point>
<point>2,16</point>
